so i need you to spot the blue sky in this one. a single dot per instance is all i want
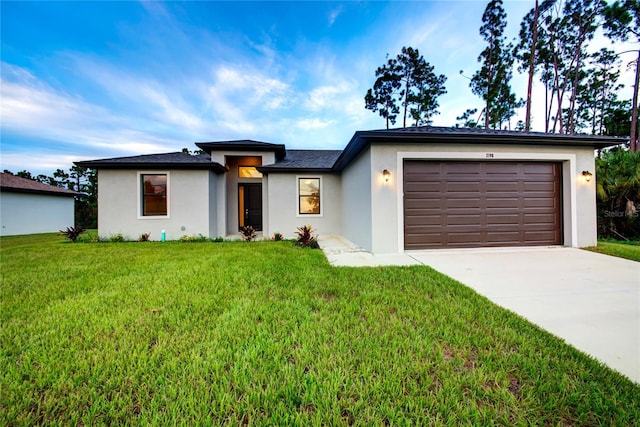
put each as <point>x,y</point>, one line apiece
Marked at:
<point>85,80</point>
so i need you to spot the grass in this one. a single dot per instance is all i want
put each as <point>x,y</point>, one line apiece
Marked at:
<point>266,333</point>
<point>618,248</point>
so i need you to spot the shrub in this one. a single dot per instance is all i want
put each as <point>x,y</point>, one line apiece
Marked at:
<point>305,237</point>
<point>188,239</point>
<point>72,233</point>
<point>218,239</point>
<point>144,237</point>
<point>277,236</point>
<point>117,238</point>
<point>248,233</point>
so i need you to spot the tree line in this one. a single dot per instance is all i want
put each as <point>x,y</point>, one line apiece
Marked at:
<point>82,180</point>
<point>581,87</point>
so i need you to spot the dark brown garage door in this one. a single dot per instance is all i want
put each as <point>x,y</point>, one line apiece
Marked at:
<point>476,204</point>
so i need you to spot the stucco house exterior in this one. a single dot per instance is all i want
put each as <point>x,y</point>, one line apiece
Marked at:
<point>387,191</point>
<point>28,207</point>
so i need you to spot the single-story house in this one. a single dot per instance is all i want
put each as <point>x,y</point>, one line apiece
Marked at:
<point>387,191</point>
<point>28,207</point>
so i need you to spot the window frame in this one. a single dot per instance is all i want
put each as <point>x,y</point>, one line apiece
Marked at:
<point>320,196</point>
<point>249,177</point>
<point>140,195</point>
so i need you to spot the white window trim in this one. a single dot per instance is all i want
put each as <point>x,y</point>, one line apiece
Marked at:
<point>301,215</point>
<point>139,195</point>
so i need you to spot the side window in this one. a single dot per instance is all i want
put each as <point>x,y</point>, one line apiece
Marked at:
<point>309,197</point>
<point>154,194</point>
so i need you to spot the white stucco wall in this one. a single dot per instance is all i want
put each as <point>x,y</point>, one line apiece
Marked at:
<point>24,213</point>
<point>357,183</point>
<point>578,198</point>
<point>189,204</point>
<point>282,204</point>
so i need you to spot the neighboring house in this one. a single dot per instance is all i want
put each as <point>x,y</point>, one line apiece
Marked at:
<point>387,191</point>
<point>28,207</point>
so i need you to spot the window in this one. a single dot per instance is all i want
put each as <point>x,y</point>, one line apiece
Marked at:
<point>248,172</point>
<point>154,194</point>
<point>309,196</point>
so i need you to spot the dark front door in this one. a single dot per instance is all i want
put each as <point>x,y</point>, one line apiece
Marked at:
<point>250,205</point>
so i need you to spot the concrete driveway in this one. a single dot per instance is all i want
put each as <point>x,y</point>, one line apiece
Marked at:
<point>590,300</point>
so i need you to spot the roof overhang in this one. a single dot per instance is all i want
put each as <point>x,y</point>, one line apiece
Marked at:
<point>243,146</point>
<point>97,164</point>
<point>6,189</point>
<point>362,139</point>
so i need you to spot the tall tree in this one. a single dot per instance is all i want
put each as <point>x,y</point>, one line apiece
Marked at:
<point>568,28</point>
<point>421,87</point>
<point>622,21</point>
<point>407,82</point>
<point>491,82</point>
<point>597,95</point>
<point>382,97</point>
<point>526,52</point>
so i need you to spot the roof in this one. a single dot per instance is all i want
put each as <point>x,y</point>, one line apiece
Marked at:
<point>297,160</point>
<point>337,160</point>
<point>243,145</point>
<point>451,135</point>
<point>16,184</point>
<point>177,160</point>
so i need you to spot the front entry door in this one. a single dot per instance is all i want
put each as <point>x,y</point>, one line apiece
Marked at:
<point>250,205</point>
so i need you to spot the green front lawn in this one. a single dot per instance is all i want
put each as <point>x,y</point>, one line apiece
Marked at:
<point>265,333</point>
<point>618,248</point>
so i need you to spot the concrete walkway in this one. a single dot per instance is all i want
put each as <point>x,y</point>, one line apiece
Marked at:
<point>590,300</point>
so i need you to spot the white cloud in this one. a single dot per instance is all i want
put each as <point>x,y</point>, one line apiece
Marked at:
<point>333,15</point>
<point>313,123</point>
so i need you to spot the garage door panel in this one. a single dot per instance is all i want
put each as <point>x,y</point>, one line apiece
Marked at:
<point>462,219</point>
<point>501,186</point>
<point>474,204</point>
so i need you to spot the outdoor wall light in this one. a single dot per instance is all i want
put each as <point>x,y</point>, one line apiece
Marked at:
<point>386,175</point>
<point>587,175</point>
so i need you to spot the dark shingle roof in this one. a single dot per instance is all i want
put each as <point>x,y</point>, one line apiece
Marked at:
<point>177,160</point>
<point>16,184</point>
<point>243,145</point>
<point>317,160</point>
<point>450,135</point>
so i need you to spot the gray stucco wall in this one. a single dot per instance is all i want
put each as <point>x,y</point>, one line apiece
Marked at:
<point>189,204</point>
<point>357,202</point>
<point>22,213</point>
<point>579,202</point>
<point>282,203</point>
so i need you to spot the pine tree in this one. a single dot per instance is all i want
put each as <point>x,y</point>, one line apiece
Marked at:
<point>622,21</point>
<point>407,82</point>
<point>491,82</point>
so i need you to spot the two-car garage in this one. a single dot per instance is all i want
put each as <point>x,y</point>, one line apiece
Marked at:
<point>463,204</point>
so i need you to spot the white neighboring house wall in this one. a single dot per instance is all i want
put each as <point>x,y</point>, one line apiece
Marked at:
<point>191,202</point>
<point>282,203</point>
<point>387,216</point>
<point>27,213</point>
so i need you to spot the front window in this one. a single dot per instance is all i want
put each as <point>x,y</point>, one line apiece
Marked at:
<point>309,196</point>
<point>154,194</point>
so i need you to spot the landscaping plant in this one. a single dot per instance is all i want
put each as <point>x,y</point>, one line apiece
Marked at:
<point>305,237</point>
<point>72,233</point>
<point>277,236</point>
<point>248,233</point>
<point>144,237</point>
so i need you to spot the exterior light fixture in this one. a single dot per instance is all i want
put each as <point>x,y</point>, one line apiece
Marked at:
<point>386,175</point>
<point>587,175</point>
